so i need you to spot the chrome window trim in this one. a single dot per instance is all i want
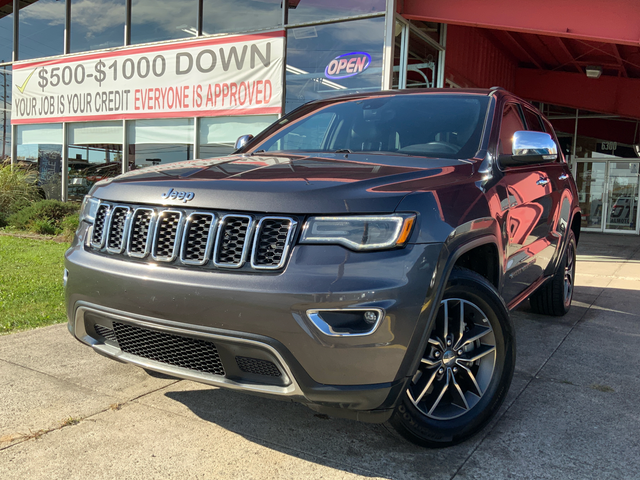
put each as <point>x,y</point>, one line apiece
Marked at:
<point>125,230</point>
<point>107,221</point>
<point>210,237</point>
<point>287,243</point>
<point>325,328</point>
<point>176,243</point>
<point>245,247</point>
<point>152,226</point>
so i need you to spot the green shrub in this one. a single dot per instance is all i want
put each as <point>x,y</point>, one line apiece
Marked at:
<point>69,225</point>
<point>17,190</point>
<point>45,215</point>
<point>43,227</point>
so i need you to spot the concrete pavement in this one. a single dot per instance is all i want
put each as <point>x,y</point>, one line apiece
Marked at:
<point>572,411</point>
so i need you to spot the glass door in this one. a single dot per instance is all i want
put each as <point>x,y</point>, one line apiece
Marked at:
<point>622,198</point>
<point>591,183</point>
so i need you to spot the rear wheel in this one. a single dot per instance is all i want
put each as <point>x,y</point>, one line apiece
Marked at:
<point>465,372</point>
<point>554,297</point>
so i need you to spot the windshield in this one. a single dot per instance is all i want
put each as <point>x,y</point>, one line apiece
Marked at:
<point>430,125</point>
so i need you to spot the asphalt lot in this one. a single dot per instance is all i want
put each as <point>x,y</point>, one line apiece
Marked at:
<point>573,410</point>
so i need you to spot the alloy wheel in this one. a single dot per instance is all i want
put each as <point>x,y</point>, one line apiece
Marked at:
<point>458,364</point>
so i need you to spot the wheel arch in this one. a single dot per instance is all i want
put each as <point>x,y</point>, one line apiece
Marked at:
<point>449,258</point>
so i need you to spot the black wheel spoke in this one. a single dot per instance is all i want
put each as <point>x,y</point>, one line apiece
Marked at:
<point>440,395</point>
<point>478,353</point>
<point>475,333</point>
<point>472,378</point>
<point>459,393</point>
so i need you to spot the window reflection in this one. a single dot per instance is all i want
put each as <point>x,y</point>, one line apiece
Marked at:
<point>223,16</point>
<point>158,142</point>
<point>218,135</point>
<point>40,148</point>
<point>95,153</point>
<point>96,24</point>
<point>156,20</point>
<point>6,32</point>
<point>41,29</point>
<point>302,11</point>
<point>329,60</point>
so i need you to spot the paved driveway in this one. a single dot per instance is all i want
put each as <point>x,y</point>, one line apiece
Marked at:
<point>572,411</point>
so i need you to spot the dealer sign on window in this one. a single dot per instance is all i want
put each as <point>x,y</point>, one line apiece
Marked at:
<point>206,77</point>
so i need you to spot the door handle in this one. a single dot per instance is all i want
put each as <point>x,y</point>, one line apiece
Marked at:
<point>564,176</point>
<point>542,182</point>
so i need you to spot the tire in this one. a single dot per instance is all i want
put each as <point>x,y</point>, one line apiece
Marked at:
<point>452,397</point>
<point>554,297</point>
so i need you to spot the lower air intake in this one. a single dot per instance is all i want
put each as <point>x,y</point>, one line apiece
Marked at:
<point>257,366</point>
<point>185,352</point>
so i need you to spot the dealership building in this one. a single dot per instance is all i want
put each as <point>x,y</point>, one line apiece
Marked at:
<point>92,88</point>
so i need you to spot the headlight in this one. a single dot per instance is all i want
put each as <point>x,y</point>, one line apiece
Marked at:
<point>367,232</point>
<point>89,209</point>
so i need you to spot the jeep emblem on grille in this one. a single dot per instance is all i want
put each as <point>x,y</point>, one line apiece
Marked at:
<point>175,195</point>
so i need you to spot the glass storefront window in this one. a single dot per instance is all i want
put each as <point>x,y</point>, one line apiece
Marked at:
<point>96,24</point>
<point>336,59</point>
<point>223,16</point>
<point>5,112</point>
<point>156,20</point>
<point>41,29</point>
<point>622,188</point>
<point>95,153</point>
<point>218,135</point>
<point>303,11</point>
<point>590,183</point>
<point>40,147</point>
<point>6,31</point>
<point>158,142</point>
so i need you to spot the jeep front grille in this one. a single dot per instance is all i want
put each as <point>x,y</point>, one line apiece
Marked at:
<point>211,239</point>
<point>185,352</point>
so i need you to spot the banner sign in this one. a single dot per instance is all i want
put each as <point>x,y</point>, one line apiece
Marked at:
<point>239,75</point>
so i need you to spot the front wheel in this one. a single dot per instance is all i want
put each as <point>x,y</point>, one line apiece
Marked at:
<point>466,370</point>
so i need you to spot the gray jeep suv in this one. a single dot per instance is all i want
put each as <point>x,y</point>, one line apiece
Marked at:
<point>359,256</point>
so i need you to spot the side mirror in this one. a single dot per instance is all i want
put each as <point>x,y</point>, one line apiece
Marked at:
<point>243,140</point>
<point>530,148</point>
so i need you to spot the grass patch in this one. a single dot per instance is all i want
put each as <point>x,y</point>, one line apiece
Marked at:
<point>31,291</point>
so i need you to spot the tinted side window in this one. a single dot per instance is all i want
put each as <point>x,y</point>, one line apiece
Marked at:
<point>533,121</point>
<point>511,123</point>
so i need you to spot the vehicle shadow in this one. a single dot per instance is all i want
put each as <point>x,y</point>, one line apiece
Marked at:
<point>293,429</point>
<point>372,450</point>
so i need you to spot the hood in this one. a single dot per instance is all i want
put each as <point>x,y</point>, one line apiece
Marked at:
<point>294,184</point>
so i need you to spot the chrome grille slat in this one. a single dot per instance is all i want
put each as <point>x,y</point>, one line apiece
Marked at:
<point>196,238</point>
<point>166,235</point>
<point>102,219</point>
<point>117,231</point>
<point>141,225</point>
<point>232,241</point>
<point>271,243</point>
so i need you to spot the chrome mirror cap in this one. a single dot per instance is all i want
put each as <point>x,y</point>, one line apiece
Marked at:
<point>534,144</point>
<point>242,141</point>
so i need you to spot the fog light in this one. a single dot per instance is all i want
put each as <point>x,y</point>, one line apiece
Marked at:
<point>370,317</point>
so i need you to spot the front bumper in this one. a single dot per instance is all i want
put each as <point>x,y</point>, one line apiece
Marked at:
<point>264,316</point>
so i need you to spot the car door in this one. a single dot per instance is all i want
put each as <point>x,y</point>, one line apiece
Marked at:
<point>531,214</point>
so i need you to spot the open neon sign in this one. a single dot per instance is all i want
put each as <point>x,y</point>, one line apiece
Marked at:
<point>347,65</point>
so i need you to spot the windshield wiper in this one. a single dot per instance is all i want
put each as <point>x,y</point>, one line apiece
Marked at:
<point>343,150</point>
